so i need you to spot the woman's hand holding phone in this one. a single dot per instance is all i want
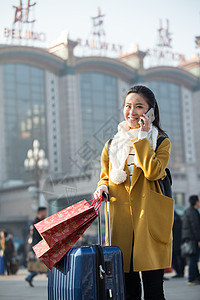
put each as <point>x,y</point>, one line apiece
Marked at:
<point>146,120</point>
<point>145,123</point>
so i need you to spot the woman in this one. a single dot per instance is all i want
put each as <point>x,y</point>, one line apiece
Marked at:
<point>141,217</point>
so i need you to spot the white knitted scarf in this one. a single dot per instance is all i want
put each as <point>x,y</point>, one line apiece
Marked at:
<point>120,149</point>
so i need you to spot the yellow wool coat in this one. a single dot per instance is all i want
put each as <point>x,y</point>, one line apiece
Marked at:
<point>139,207</point>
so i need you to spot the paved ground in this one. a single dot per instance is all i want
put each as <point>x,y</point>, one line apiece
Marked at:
<point>15,288</point>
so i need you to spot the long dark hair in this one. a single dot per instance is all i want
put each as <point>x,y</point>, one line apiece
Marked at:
<point>151,101</point>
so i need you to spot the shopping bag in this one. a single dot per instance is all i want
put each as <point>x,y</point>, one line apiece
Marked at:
<point>34,264</point>
<point>188,248</point>
<point>51,255</point>
<point>63,223</point>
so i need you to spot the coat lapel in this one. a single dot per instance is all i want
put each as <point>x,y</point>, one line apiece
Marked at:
<point>135,176</point>
<point>136,173</point>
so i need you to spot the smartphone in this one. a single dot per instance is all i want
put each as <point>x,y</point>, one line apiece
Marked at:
<point>150,114</point>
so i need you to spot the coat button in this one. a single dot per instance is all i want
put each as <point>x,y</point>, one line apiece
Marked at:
<point>143,195</point>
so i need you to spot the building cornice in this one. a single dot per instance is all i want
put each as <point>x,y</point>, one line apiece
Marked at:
<point>22,186</point>
<point>175,75</point>
<point>106,65</point>
<point>40,57</point>
<point>37,57</point>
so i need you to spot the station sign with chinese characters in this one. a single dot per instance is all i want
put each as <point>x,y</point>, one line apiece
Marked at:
<point>163,50</point>
<point>96,43</point>
<point>23,23</point>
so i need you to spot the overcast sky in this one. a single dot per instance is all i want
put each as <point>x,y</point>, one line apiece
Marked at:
<point>126,21</point>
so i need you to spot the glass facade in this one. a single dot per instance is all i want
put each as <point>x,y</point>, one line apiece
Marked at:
<point>99,108</point>
<point>24,113</point>
<point>168,96</point>
<point>56,205</point>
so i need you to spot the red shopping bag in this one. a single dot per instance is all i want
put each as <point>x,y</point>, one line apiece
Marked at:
<point>51,255</point>
<point>63,223</point>
<point>62,230</point>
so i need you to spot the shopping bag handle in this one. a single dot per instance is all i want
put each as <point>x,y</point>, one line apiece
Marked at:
<point>96,203</point>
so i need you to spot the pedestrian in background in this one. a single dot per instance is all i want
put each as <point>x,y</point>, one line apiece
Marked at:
<point>191,232</point>
<point>141,216</point>
<point>178,262</point>
<point>36,238</point>
<point>30,239</point>
<point>8,250</point>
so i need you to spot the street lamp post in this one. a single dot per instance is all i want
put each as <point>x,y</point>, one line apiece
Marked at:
<point>37,163</point>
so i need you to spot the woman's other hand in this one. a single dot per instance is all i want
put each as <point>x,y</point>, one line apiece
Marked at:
<point>99,191</point>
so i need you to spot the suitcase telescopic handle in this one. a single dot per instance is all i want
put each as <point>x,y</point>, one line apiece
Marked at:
<point>106,196</point>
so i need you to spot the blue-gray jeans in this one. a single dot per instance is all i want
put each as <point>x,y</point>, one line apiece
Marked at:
<point>31,275</point>
<point>193,266</point>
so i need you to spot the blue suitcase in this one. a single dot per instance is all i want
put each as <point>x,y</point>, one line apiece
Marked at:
<point>1,265</point>
<point>88,273</point>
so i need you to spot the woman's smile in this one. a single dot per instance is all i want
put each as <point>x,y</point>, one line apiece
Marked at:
<point>132,119</point>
